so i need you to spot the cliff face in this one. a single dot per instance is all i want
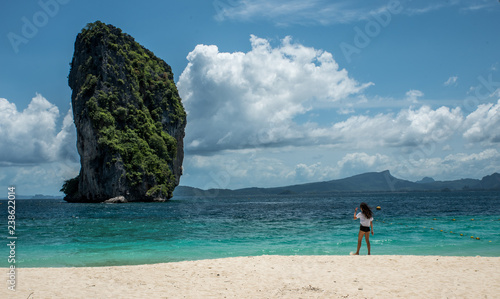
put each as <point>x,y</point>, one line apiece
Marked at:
<point>129,118</point>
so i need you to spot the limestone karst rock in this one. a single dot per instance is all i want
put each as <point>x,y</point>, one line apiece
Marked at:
<point>129,118</point>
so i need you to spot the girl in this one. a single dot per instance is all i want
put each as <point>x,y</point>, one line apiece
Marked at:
<point>366,221</point>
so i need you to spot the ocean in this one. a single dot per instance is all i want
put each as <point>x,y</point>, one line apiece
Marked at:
<point>53,233</point>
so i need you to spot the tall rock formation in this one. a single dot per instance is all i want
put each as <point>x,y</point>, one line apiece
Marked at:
<point>129,118</point>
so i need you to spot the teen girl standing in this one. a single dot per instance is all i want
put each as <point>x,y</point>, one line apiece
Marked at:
<point>366,225</point>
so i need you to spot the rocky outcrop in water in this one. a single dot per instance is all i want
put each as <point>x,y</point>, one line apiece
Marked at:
<point>129,118</point>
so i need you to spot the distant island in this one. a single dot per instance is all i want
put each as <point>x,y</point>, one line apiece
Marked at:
<point>366,182</point>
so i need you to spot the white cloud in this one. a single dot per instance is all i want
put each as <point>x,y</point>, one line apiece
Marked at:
<point>31,136</point>
<point>417,10</point>
<point>480,5</point>
<point>451,81</point>
<point>323,12</point>
<point>413,95</point>
<point>245,168</point>
<point>346,110</point>
<point>413,166</point>
<point>249,100</point>
<point>410,127</point>
<point>235,169</point>
<point>237,100</point>
<point>452,166</point>
<point>237,123</point>
<point>46,178</point>
<point>496,93</point>
<point>304,173</point>
<point>259,167</point>
<point>483,124</point>
<point>360,162</point>
<point>35,155</point>
<point>286,12</point>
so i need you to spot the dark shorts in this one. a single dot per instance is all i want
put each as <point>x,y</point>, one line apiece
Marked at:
<point>364,228</point>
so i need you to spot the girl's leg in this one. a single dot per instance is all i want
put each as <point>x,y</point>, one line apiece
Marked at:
<point>360,237</point>
<point>367,239</point>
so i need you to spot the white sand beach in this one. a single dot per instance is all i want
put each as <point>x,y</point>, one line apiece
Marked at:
<point>271,277</point>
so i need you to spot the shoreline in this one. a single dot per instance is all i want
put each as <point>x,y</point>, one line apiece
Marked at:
<point>363,253</point>
<point>271,276</point>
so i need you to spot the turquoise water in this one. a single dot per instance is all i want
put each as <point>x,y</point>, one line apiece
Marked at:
<point>53,233</point>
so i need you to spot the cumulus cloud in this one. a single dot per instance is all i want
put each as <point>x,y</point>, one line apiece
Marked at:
<point>451,81</point>
<point>235,169</point>
<point>483,124</point>
<point>250,100</point>
<point>407,166</point>
<point>354,163</point>
<point>410,127</point>
<point>245,168</point>
<point>303,172</point>
<point>244,112</point>
<point>260,167</point>
<point>238,100</point>
<point>31,136</point>
<point>454,166</point>
<point>413,95</point>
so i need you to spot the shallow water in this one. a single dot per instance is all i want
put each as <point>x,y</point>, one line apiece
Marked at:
<point>53,233</point>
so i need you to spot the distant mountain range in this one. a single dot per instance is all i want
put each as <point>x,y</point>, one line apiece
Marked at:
<point>366,182</point>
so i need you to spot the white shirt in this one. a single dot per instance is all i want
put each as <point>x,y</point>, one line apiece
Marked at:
<point>363,220</point>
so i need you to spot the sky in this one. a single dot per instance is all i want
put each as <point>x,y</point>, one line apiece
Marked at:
<point>277,92</point>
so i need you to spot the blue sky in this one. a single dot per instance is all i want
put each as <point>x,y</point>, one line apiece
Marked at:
<point>277,92</point>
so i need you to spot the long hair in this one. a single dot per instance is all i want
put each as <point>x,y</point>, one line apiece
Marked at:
<point>365,209</point>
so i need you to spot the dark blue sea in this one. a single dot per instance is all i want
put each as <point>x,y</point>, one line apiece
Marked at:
<point>53,233</point>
